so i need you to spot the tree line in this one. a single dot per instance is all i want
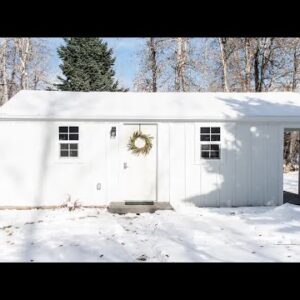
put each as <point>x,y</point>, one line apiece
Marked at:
<point>219,64</point>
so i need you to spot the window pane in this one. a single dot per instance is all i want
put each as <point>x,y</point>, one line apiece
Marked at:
<point>214,147</point>
<point>215,154</point>
<point>215,130</point>
<point>205,154</point>
<point>64,153</point>
<point>73,136</point>
<point>63,129</point>
<point>63,137</point>
<point>74,129</point>
<point>204,147</point>
<point>73,153</point>
<point>215,137</point>
<point>64,146</point>
<point>205,137</point>
<point>205,130</point>
<point>73,146</point>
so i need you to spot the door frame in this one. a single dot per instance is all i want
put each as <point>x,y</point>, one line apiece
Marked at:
<point>156,159</point>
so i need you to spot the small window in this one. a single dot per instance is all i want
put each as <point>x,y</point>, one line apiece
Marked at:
<point>69,150</point>
<point>208,134</point>
<point>71,135</point>
<point>68,133</point>
<point>211,151</point>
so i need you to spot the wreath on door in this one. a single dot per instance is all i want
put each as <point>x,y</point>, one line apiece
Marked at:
<point>140,143</point>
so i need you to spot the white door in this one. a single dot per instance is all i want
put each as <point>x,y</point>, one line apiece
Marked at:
<point>138,172</point>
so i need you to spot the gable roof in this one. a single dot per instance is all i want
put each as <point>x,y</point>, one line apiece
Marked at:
<point>151,106</point>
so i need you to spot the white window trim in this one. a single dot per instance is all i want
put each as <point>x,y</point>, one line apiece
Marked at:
<point>68,158</point>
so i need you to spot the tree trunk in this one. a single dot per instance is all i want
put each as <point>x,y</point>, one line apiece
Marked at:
<point>181,61</point>
<point>256,69</point>
<point>12,84</point>
<point>4,71</point>
<point>248,64</point>
<point>24,48</point>
<point>292,151</point>
<point>153,64</point>
<point>223,42</point>
<point>295,66</point>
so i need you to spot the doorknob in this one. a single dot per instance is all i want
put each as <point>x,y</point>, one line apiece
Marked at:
<point>125,165</point>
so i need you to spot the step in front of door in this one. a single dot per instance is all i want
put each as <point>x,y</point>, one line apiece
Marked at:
<point>122,208</point>
<point>139,202</point>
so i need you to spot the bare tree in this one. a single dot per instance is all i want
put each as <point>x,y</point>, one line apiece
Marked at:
<point>181,63</point>
<point>24,49</point>
<point>153,53</point>
<point>24,64</point>
<point>248,59</point>
<point>3,71</point>
<point>224,58</point>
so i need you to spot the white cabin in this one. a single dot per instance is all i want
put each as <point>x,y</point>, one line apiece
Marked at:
<point>210,149</point>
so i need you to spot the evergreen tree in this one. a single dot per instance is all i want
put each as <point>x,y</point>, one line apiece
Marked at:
<point>87,66</point>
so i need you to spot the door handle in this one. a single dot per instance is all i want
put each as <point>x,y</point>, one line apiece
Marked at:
<point>125,166</point>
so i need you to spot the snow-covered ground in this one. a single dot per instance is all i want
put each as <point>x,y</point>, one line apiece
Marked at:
<point>188,234</point>
<point>290,182</point>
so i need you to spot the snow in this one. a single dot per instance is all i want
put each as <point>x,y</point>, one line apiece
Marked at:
<point>134,105</point>
<point>290,182</point>
<point>189,234</point>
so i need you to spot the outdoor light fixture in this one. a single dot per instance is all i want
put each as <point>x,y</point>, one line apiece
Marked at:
<point>113,132</point>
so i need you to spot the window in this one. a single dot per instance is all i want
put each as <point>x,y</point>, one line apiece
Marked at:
<point>207,135</point>
<point>70,134</point>
<point>210,151</point>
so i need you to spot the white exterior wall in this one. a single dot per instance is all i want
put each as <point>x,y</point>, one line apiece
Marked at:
<point>33,174</point>
<point>248,173</point>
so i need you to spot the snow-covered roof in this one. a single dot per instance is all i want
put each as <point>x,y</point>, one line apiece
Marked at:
<point>151,106</point>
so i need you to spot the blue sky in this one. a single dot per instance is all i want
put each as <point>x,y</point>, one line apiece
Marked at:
<point>124,49</point>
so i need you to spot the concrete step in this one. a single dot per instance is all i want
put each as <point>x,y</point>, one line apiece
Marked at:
<point>133,207</point>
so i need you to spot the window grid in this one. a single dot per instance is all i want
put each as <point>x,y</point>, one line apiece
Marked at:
<point>210,138</point>
<point>70,136</point>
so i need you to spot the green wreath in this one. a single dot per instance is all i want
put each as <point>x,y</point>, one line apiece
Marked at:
<point>140,150</point>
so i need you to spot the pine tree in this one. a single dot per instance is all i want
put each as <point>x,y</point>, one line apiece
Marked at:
<point>87,66</point>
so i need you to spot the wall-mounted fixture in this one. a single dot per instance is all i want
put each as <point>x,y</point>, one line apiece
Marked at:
<point>113,132</point>
<point>98,186</point>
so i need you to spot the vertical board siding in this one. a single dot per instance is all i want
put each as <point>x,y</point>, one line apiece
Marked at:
<point>227,165</point>
<point>273,176</point>
<point>242,169</point>
<point>192,169</point>
<point>258,164</point>
<point>163,165</point>
<point>177,162</point>
<point>113,163</point>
